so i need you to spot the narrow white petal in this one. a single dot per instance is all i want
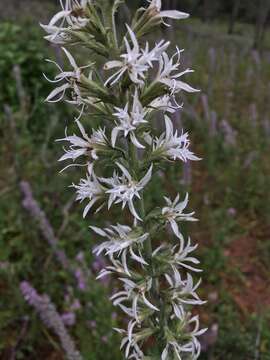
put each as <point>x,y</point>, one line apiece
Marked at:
<point>114,135</point>
<point>147,303</point>
<point>98,231</point>
<point>136,142</point>
<point>165,353</point>
<point>70,58</point>
<point>174,14</point>
<point>144,181</point>
<point>59,90</point>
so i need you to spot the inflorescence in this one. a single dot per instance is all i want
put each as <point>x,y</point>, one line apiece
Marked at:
<point>133,84</point>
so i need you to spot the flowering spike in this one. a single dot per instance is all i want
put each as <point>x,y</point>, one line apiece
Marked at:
<point>157,286</point>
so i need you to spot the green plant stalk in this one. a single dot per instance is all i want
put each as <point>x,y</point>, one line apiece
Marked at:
<point>148,249</point>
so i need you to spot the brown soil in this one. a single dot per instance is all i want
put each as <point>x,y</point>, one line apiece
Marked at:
<point>249,281</point>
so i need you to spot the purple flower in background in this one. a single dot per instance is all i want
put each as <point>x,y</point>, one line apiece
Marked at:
<point>232,212</point>
<point>212,58</point>
<point>253,115</point>
<point>4,265</point>
<point>213,124</point>
<point>205,105</point>
<point>76,305</point>
<point>98,264</point>
<point>80,257</point>
<point>51,318</point>
<point>266,127</point>
<point>229,133</point>
<point>69,318</point>
<point>81,281</point>
<point>104,339</point>
<point>92,324</point>
<point>256,57</point>
<point>187,174</point>
<point>250,159</point>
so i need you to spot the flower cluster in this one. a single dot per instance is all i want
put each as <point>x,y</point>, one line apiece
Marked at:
<point>51,318</point>
<point>133,83</point>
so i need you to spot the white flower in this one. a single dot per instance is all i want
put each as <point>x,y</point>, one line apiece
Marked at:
<point>167,76</point>
<point>178,350</point>
<point>123,189</point>
<point>129,121</point>
<point>155,10</point>
<point>91,189</point>
<point>191,346</point>
<point>131,339</point>
<point>164,103</point>
<point>72,81</point>
<point>195,333</point>
<point>119,266</point>
<point>121,237</point>
<point>182,292</point>
<point>71,17</point>
<point>136,292</point>
<point>171,145</point>
<point>182,257</point>
<point>84,145</point>
<point>173,213</point>
<point>136,61</point>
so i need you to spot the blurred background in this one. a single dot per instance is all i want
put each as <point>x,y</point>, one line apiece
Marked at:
<point>46,264</point>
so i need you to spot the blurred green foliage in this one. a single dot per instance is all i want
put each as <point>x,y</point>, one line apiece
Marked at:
<point>21,45</point>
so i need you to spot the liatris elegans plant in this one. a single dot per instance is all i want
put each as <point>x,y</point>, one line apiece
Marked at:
<point>129,85</point>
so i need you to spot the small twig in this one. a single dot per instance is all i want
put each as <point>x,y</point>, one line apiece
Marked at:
<point>19,86</point>
<point>65,212</point>
<point>10,117</point>
<point>5,190</point>
<point>13,139</point>
<point>20,338</point>
<point>258,340</point>
<point>50,128</point>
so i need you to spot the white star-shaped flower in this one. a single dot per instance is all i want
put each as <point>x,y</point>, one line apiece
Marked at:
<point>135,61</point>
<point>121,238</point>
<point>169,74</point>
<point>71,17</point>
<point>128,121</point>
<point>191,345</point>
<point>85,145</point>
<point>90,189</point>
<point>72,81</point>
<point>173,213</point>
<point>123,189</point>
<point>172,146</point>
<point>164,103</point>
<point>155,10</point>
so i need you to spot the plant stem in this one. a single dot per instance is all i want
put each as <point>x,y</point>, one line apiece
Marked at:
<point>134,164</point>
<point>149,250</point>
<point>114,30</point>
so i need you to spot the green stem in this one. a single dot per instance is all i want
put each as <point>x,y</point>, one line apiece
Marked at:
<point>135,168</point>
<point>114,30</point>
<point>149,250</point>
